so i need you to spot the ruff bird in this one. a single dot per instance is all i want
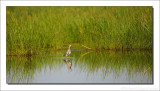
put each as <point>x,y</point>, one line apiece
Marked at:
<point>68,51</point>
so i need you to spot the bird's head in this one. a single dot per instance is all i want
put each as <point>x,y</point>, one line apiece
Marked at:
<point>69,46</point>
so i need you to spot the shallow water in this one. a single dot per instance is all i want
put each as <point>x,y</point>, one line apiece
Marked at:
<point>82,67</point>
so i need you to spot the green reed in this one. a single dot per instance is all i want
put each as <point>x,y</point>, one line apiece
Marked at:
<point>32,29</point>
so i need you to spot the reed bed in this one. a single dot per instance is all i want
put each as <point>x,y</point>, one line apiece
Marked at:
<point>32,29</point>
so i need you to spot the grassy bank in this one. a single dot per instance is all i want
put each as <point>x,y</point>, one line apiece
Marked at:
<point>31,29</point>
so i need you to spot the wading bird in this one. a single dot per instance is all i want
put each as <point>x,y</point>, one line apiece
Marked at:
<point>68,51</point>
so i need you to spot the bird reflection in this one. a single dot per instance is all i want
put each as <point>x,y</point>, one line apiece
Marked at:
<point>69,64</point>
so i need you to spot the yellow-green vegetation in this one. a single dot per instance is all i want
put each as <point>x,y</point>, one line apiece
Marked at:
<point>32,29</point>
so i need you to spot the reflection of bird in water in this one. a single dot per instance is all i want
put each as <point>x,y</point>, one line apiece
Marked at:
<point>68,51</point>
<point>69,64</point>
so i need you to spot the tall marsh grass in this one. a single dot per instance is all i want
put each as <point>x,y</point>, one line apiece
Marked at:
<point>31,29</point>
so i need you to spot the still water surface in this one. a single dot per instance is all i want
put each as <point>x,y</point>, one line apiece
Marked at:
<point>82,67</point>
